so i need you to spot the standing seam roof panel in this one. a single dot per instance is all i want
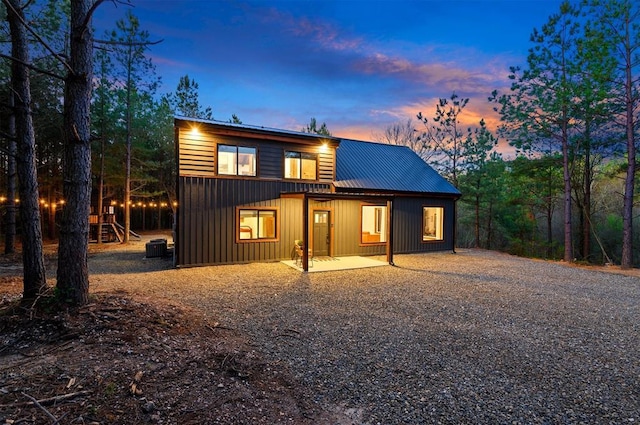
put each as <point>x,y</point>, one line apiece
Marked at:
<point>377,166</point>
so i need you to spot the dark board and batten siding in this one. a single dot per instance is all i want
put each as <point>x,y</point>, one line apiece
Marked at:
<point>407,223</point>
<point>206,223</point>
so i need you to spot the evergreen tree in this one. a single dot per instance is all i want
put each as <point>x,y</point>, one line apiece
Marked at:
<point>185,101</point>
<point>73,275</point>
<point>136,73</point>
<point>539,109</point>
<point>618,22</point>
<point>476,181</point>
<point>32,254</point>
<point>444,136</point>
<point>312,127</point>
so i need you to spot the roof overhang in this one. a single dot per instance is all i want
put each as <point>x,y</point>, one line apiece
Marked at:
<point>255,132</point>
<point>330,196</point>
<point>383,192</point>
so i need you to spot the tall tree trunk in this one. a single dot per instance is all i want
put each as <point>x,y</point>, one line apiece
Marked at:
<point>549,230</point>
<point>586,225</point>
<point>101,190</point>
<point>476,225</point>
<point>32,257</point>
<point>489,225</point>
<point>629,187</point>
<point>73,275</point>
<point>629,182</point>
<point>568,222</point>
<point>127,178</point>
<point>10,215</point>
<point>568,239</point>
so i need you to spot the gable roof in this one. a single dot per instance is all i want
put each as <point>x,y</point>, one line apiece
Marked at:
<point>383,167</point>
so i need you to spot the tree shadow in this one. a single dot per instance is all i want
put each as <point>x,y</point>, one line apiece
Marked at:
<point>124,262</point>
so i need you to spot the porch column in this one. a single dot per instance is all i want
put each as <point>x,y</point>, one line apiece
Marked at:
<point>305,233</point>
<point>390,231</point>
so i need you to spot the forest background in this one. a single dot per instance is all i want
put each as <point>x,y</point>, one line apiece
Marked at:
<point>569,192</point>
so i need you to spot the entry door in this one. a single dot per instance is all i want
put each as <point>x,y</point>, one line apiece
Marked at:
<point>321,238</point>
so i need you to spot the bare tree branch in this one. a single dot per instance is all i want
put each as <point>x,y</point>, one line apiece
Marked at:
<point>128,43</point>
<point>8,4</point>
<point>93,8</point>
<point>30,66</point>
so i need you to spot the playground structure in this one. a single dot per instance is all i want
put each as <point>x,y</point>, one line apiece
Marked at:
<point>110,229</point>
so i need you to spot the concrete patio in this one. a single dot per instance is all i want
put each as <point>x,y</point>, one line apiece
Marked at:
<point>329,264</point>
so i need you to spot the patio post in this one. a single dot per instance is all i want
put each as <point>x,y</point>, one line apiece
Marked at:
<point>305,233</point>
<point>390,231</point>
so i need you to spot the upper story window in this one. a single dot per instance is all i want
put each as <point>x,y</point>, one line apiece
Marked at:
<point>236,160</point>
<point>300,165</point>
<point>433,223</point>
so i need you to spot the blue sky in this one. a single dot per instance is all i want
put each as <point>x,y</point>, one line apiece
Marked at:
<point>357,65</point>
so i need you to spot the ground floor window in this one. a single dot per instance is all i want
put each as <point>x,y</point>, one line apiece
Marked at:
<point>256,224</point>
<point>433,223</point>
<point>374,224</point>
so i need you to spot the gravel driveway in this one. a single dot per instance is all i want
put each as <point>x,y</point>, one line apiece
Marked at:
<point>475,337</point>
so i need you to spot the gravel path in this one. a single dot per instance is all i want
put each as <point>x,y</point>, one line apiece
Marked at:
<point>475,337</point>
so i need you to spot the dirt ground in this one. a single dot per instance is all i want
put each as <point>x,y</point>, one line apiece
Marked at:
<point>125,360</point>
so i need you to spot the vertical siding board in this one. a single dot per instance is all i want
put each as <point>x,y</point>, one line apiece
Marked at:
<point>206,221</point>
<point>211,211</point>
<point>408,225</point>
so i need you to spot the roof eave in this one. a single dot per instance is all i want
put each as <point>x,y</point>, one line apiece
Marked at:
<point>231,129</point>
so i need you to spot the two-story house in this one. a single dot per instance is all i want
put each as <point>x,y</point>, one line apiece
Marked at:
<point>247,193</point>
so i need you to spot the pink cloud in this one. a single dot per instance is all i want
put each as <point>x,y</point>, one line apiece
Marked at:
<point>322,33</point>
<point>444,75</point>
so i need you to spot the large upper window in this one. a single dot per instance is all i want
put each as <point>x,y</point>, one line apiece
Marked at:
<point>300,165</point>
<point>256,224</point>
<point>432,223</point>
<point>236,160</point>
<point>374,224</point>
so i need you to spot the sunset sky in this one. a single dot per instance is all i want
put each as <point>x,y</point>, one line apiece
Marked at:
<point>357,65</point>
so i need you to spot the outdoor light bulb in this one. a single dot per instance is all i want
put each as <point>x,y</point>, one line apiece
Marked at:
<point>194,131</point>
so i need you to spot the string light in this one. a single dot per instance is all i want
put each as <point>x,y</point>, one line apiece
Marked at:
<point>54,204</point>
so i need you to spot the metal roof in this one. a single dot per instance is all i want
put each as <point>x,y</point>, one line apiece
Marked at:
<point>377,166</point>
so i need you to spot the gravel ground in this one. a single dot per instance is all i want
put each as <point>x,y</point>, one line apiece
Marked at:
<point>475,337</point>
